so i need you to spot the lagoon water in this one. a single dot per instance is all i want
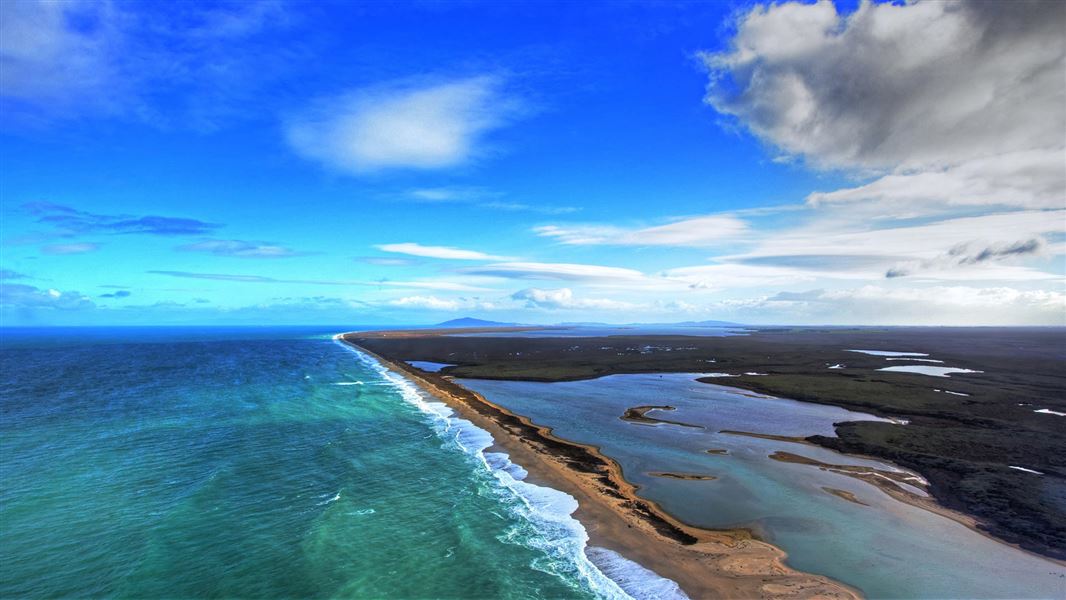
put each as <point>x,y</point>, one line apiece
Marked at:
<point>168,463</point>
<point>887,549</point>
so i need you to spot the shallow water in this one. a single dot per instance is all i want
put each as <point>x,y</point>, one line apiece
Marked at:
<point>428,366</point>
<point>887,549</point>
<point>171,463</point>
<point>927,370</point>
<point>888,353</point>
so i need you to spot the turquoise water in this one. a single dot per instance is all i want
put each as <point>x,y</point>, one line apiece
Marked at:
<point>263,463</point>
<point>887,549</point>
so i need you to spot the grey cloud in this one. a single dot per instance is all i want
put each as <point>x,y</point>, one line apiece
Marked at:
<point>963,255</point>
<point>872,90</point>
<point>999,251</point>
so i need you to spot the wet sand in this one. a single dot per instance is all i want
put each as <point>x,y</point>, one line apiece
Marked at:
<point>704,563</point>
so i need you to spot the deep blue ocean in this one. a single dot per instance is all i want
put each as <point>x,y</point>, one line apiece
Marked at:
<point>261,463</point>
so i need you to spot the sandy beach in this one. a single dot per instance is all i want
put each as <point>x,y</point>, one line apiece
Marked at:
<point>704,563</point>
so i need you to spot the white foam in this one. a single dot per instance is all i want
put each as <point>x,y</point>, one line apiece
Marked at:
<point>836,366</point>
<point>638,582</point>
<point>1026,470</point>
<point>754,373</point>
<point>720,375</point>
<point>330,500</point>
<point>349,383</point>
<point>549,511</point>
<point>932,360</point>
<point>1048,411</point>
<point>888,353</point>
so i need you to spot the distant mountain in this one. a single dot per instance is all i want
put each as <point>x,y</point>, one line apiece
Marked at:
<point>709,324</point>
<point>471,322</point>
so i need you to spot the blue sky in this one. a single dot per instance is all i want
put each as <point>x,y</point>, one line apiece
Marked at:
<point>273,162</point>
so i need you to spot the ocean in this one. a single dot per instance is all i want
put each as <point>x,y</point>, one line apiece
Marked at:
<point>264,463</point>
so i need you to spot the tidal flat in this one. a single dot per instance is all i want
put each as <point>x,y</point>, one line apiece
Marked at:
<point>855,534</point>
<point>965,443</point>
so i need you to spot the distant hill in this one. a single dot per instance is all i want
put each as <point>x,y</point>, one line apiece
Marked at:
<point>709,324</point>
<point>472,322</point>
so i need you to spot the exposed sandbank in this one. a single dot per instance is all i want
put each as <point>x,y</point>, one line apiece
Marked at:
<point>704,563</point>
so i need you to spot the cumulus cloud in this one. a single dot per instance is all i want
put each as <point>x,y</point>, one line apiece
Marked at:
<point>240,249</point>
<point>696,231</point>
<point>897,85</point>
<point>406,124</point>
<point>442,252</point>
<point>556,271</point>
<point>563,298</point>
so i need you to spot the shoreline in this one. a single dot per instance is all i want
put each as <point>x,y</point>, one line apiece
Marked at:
<point>703,562</point>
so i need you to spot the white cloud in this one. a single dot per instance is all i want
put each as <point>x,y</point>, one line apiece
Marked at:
<point>240,248</point>
<point>1025,179</point>
<point>926,241</point>
<point>441,304</point>
<point>564,299</point>
<point>938,305</point>
<point>69,58</point>
<point>15,296</point>
<point>696,231</point>
<point>71,248</point>
<point>557,271</point>
<point>918,85</point>
<point>442,252</point>
<point>403,125</point>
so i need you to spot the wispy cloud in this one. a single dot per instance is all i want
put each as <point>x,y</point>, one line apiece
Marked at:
<point>705,230</point>
<point>964,255</point>
<point>563,299</point>
<point>8,274</point>
<point>68,221</point>
<point>118,294</point>
<point>555,271</point>
<point>406,124</point>
<point>388,261</point>
<point>442,252</point>
<point>75,248</point>
<point>483,198</point>
<point>240,278</point>
<point>74,58</point>
<point>241,249</point>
